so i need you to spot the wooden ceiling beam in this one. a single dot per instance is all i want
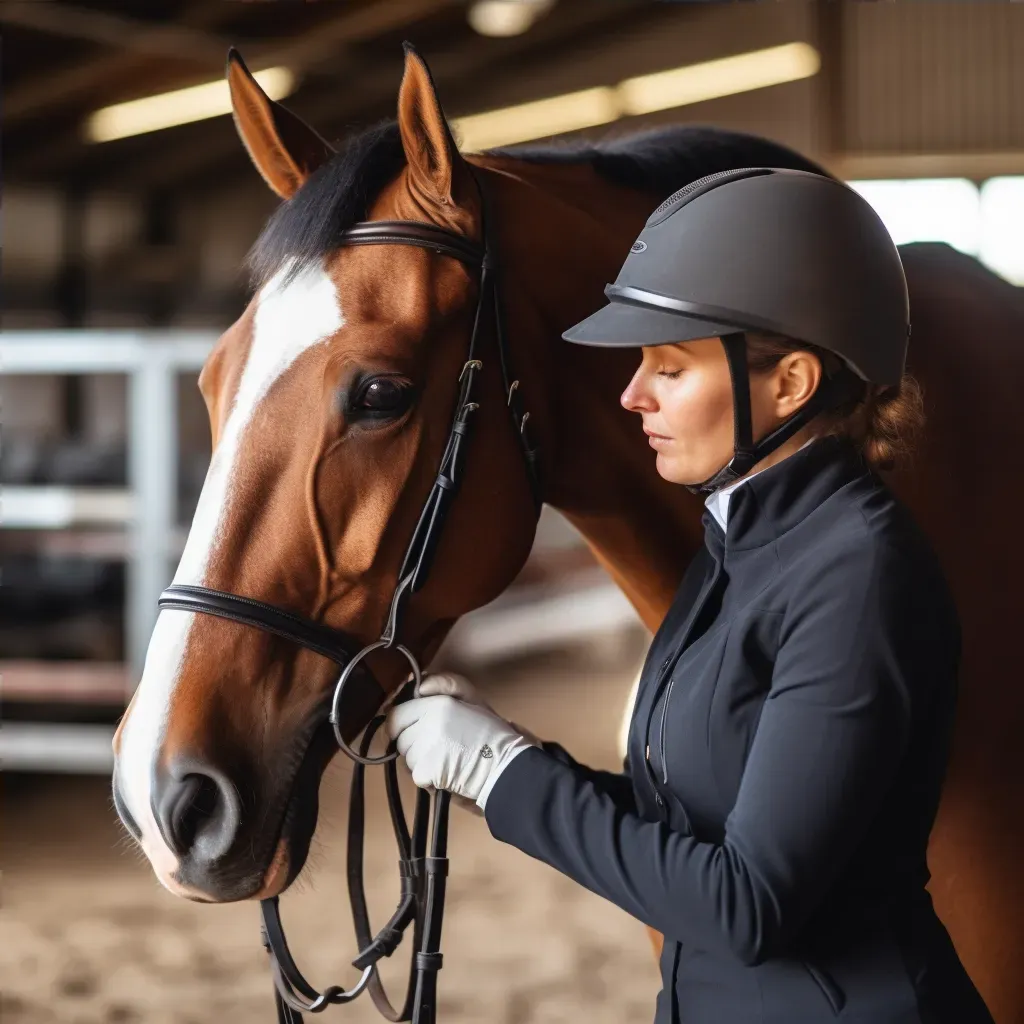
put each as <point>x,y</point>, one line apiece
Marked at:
<point>327,39</point>
<point>115,30</point>
<point>186,41</point>
<point>374,87</point>
<point>56,84</point>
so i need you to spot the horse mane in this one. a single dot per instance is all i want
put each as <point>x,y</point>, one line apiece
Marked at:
<point>663,160</point>
<point>306,227</point>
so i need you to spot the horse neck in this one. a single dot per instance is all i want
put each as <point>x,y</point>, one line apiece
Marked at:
<point>563,235</point>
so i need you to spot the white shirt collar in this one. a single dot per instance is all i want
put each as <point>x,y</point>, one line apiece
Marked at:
<point>717,502</point>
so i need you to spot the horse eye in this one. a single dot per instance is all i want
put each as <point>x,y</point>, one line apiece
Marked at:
<point>382,396</point>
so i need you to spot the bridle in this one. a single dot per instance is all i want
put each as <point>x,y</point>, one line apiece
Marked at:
<point>423,876</point>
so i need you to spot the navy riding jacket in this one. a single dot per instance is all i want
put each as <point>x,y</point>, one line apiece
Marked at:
<point>786,754</point>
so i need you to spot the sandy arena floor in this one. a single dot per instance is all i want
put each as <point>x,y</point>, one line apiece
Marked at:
<point>89,936</point>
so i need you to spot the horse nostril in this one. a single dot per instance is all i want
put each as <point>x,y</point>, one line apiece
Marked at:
<point>197,810</point>
<point>193,805</point>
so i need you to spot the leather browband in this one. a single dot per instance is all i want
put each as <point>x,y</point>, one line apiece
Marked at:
<point>411,232</point>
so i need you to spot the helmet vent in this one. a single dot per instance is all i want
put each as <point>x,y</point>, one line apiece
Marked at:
<point>701,185</point>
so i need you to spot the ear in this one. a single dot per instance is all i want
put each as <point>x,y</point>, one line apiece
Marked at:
<point>437,173</point>
<point>285,150</point>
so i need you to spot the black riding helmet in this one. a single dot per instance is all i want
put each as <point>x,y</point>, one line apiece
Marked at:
<point>763,249</point>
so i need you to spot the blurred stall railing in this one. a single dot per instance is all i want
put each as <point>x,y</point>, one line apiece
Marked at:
<point>144,511</point>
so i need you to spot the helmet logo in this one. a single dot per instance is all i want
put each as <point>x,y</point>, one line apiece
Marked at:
<point>638,246</point>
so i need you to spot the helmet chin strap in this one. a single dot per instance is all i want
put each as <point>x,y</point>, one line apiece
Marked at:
<point>747,454</point>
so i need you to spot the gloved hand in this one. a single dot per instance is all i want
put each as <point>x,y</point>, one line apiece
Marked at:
<point>451,685</point>
<point>450,743</point>
<point>459,686</point>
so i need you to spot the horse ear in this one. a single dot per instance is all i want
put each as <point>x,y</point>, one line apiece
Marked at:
<point>437,173</point>
<point>285,150</point>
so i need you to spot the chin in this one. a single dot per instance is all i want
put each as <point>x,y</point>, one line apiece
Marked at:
<point>669,469</point>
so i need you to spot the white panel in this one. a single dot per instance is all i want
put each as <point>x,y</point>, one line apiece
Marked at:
<point>927,210</point>
<point>1002,227</point>
<point>45,747</point>
<point>54,507</point>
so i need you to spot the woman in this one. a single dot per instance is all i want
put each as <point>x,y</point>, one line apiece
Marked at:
<point>792,725</point>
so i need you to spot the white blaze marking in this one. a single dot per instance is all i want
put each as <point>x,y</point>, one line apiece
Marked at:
<point>289,319</point>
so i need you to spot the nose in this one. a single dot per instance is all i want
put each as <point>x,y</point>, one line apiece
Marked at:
<point>197,811</point>
<point>636,397</point>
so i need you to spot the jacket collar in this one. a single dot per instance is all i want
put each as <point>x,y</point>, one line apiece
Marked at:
<point>776,499</point>
<point>718,501</point>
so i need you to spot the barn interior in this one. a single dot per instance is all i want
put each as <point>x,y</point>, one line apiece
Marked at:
<point>129,207</point>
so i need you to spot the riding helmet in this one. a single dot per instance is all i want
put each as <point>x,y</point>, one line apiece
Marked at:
<point>770,250</point>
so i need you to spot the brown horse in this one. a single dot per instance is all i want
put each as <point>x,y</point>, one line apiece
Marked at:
<point>330,400</point>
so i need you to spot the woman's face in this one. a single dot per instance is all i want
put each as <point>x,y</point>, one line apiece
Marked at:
<point>684,395</point>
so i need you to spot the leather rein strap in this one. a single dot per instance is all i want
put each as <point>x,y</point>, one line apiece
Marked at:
<point>421,901</point>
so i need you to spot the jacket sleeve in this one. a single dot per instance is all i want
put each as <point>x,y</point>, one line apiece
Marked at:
<point>618,785</point>
<point>830,739</point>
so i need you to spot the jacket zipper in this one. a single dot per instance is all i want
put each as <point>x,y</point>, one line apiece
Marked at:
<point>672,682</point>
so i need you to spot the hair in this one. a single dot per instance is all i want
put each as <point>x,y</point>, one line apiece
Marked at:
<point>341,191</point>
<point>884,422</point>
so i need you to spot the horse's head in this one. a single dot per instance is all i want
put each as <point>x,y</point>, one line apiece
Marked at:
<point>330,403</point>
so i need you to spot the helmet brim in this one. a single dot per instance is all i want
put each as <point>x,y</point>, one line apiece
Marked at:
<point>624,325</point>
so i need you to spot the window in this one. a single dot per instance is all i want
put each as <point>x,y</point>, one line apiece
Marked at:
<point>986,222</point>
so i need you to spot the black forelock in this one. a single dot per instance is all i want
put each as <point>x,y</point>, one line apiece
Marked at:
<point>306,227</point>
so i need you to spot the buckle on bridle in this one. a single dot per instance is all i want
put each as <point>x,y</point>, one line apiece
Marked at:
<point>471,365</point>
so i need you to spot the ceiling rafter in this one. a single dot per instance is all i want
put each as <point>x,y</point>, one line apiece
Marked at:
<point>352,27</point>
<point>184,42</point>
<point>328,38</point>
<point>378,87</point>
<point>115,30</point>
<point>55,85</point>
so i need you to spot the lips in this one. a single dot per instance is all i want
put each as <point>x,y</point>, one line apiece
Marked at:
<point>656,437</point>
<point>656,440</point>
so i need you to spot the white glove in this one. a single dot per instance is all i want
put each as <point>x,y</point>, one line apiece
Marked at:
<point>454,686</point>
<point>451,685</point>
<point>450,743</point>
<point>459,686</point>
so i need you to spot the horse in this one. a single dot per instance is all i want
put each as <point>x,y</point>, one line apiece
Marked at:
<point>330,403</point>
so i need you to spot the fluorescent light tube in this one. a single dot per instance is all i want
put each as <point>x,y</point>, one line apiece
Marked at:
<point>662,90</point>
<point>745,72</point>
<point>178,107</point>
<point>565,113</point>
